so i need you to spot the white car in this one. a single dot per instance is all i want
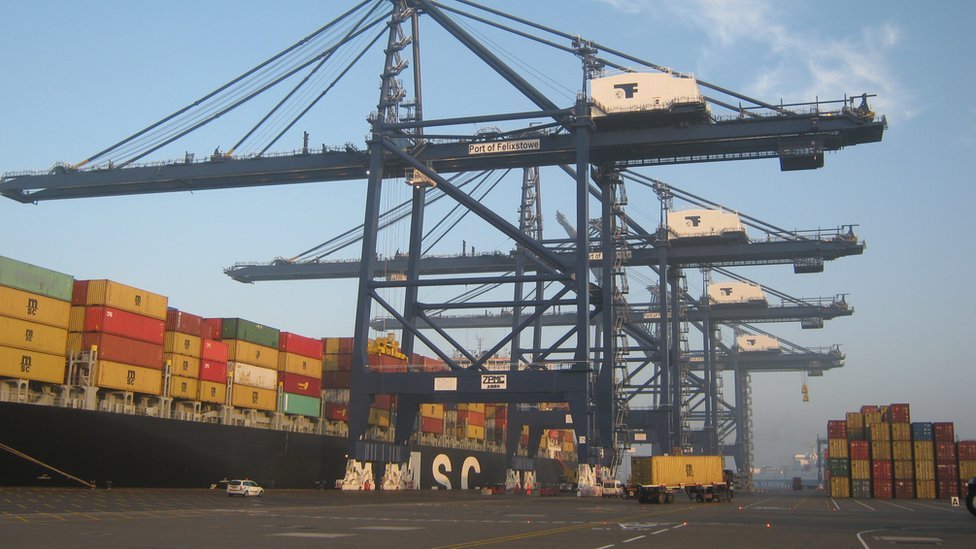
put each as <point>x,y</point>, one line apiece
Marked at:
<point>244,488</point>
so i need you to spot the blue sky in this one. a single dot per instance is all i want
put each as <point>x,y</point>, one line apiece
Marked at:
<point>81,76</point>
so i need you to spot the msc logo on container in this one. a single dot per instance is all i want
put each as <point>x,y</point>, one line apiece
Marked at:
<point>130,377</point>
<point>494,381</point>
<point>25,363</point>
<point>31,306</point>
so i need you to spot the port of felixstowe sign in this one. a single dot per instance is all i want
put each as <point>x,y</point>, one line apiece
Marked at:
<point>504,146</point>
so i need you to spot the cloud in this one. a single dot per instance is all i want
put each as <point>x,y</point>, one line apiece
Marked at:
<point>794,59</point>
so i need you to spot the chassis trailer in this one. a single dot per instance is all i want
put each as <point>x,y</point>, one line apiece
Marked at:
<point>657,479</point>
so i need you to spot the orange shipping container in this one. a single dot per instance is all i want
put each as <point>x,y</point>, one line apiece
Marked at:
<point>45,310</point>
<point>254,398</point>
<point>125,377</point>
<point>292,363</point>
<point>120,296</point>
<point>32,336</point>
<point>181,344</point>
<point>22,364</point>
<point>239,350</point>
<point>182,365</point>
<point>183,387</point>
<point>213,392</point>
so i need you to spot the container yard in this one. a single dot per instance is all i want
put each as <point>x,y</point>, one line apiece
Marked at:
<point>878,452</point>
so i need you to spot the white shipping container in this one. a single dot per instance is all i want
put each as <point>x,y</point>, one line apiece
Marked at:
<point>757,343</point>
<point>703,223</point>
<point>736,293</point>
<point>643,91</point>
<point>253,376</point>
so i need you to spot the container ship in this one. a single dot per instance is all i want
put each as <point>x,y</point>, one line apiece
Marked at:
<point>104,384</point>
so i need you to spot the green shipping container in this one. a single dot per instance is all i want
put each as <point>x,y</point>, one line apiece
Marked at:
<point>839,467</point>
<point>301,405</point>
<point>34,279</point>
<point>238,328</point>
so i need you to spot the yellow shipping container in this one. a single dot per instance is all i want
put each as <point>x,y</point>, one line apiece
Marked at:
<point>32,336</point>
<point>213,392</point>
<point>840,487</point>
<point>679,470</point>
<point>855,420</point>
<point>925,489</point>
<point>182,344</point>
<point>568,446</point>
<point>435,411</point>
<point>76,319</point>
<point>330,345</point>
<point>880,431</point>
<point>22,364</point>
<point>880,450</point>
<point>239,350</point>
<point>837,448</point>
<point>904,470</point>
<point>125,377</point>
<point>16,303</point>
<point>901,431</point>
<point>901,450</point>
<point>183,387</point>
<point>861,469</point>
<point>330,363</point>
<point>924,450</point>
<point>870,418</point>
<point>252,397</point>
<point>472,407</point>
<point>127,298</point>
<point>476,432</point>
<point>379,418</point>
<point>301,365</point>
<point>924,470</point>
<point>967,469</point>
<point>182,365</point>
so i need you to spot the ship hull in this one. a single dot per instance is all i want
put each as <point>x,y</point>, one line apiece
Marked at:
<point>142,451</point>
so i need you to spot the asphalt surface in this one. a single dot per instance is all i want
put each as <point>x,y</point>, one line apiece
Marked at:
<point>37,517</point>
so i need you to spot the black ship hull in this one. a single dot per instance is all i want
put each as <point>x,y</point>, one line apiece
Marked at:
<point>142,451</point>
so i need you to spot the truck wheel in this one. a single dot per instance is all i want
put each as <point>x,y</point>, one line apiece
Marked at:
<point>662,498</point>
<point>670,498</point>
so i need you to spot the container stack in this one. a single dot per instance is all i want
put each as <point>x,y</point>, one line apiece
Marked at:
<point>336,362</point>
<point>380,411</point>
<point>432,419</point>
<point>902,453</point>
<point>838,462</point>
<point>946,468</point>
<point>496,422</point>
<point>471,421</point>
<point>213,370</point>
<point>966,452</point>
<point>252,361</point>
<point>923,448</point>
<point>882,470</point>
<point>181,350</point>
<point>300,374</point>
<point>127,327</point>
<point>35,308</point>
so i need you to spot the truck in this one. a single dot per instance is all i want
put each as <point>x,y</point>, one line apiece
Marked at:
<point>657,479</point>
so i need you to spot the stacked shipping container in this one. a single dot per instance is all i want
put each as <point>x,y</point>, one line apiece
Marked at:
<point>887,456</point>
<point>300,374</point>
<point>35,305</point>
<point>181,351</point>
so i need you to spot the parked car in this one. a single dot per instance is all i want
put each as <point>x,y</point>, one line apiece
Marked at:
<point>971,496</point>
<point>244,488</point>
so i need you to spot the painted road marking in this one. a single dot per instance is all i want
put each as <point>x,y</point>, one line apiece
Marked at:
<point>389,528</point>
<point>633,539</point>
<point>951,510</point>
<point>909,539</point>
<point>895,505</point>
<point>864,504</point>
<point>836,507</point>
<point>660,532</point>
<point>310,535</point>
<point>798,503</point>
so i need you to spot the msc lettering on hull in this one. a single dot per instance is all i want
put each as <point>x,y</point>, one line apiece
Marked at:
<point>445,476</point>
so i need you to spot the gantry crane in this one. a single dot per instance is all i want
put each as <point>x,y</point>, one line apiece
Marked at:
<point>404,144</point>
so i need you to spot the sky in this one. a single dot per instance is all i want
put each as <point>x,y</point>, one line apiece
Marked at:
<point>79,77</point>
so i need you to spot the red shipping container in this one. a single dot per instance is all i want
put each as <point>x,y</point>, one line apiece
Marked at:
<point>300,385</point>
<point>345,345</point>
<point>473,418</point>
<point>904,489</point>
<point>860,449</point>
<point>382,402</point>
<point>883,470</point>
<point>837,429</point>
<point>125,324</point>
<point>300,345</point>
<point>212,328</point>
<point>946,489</point>
<point>335,380</point>
<point>213,350</point>
<point>337,412</point>
<point>947,471</point>
<point>79,292</point>
<point>966,450</point>
<point>883,488</point>
<point>184,323</point>
<point>869,409</point>
<point>122,349</point>
<point>899,413</point>
<point>431,425</point>
<point>501,420</point>
<point>213,371</point>
<point>944,431</point>
<point>945,451</point>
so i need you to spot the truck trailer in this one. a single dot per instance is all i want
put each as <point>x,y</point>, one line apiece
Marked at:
<point>657,479</point>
